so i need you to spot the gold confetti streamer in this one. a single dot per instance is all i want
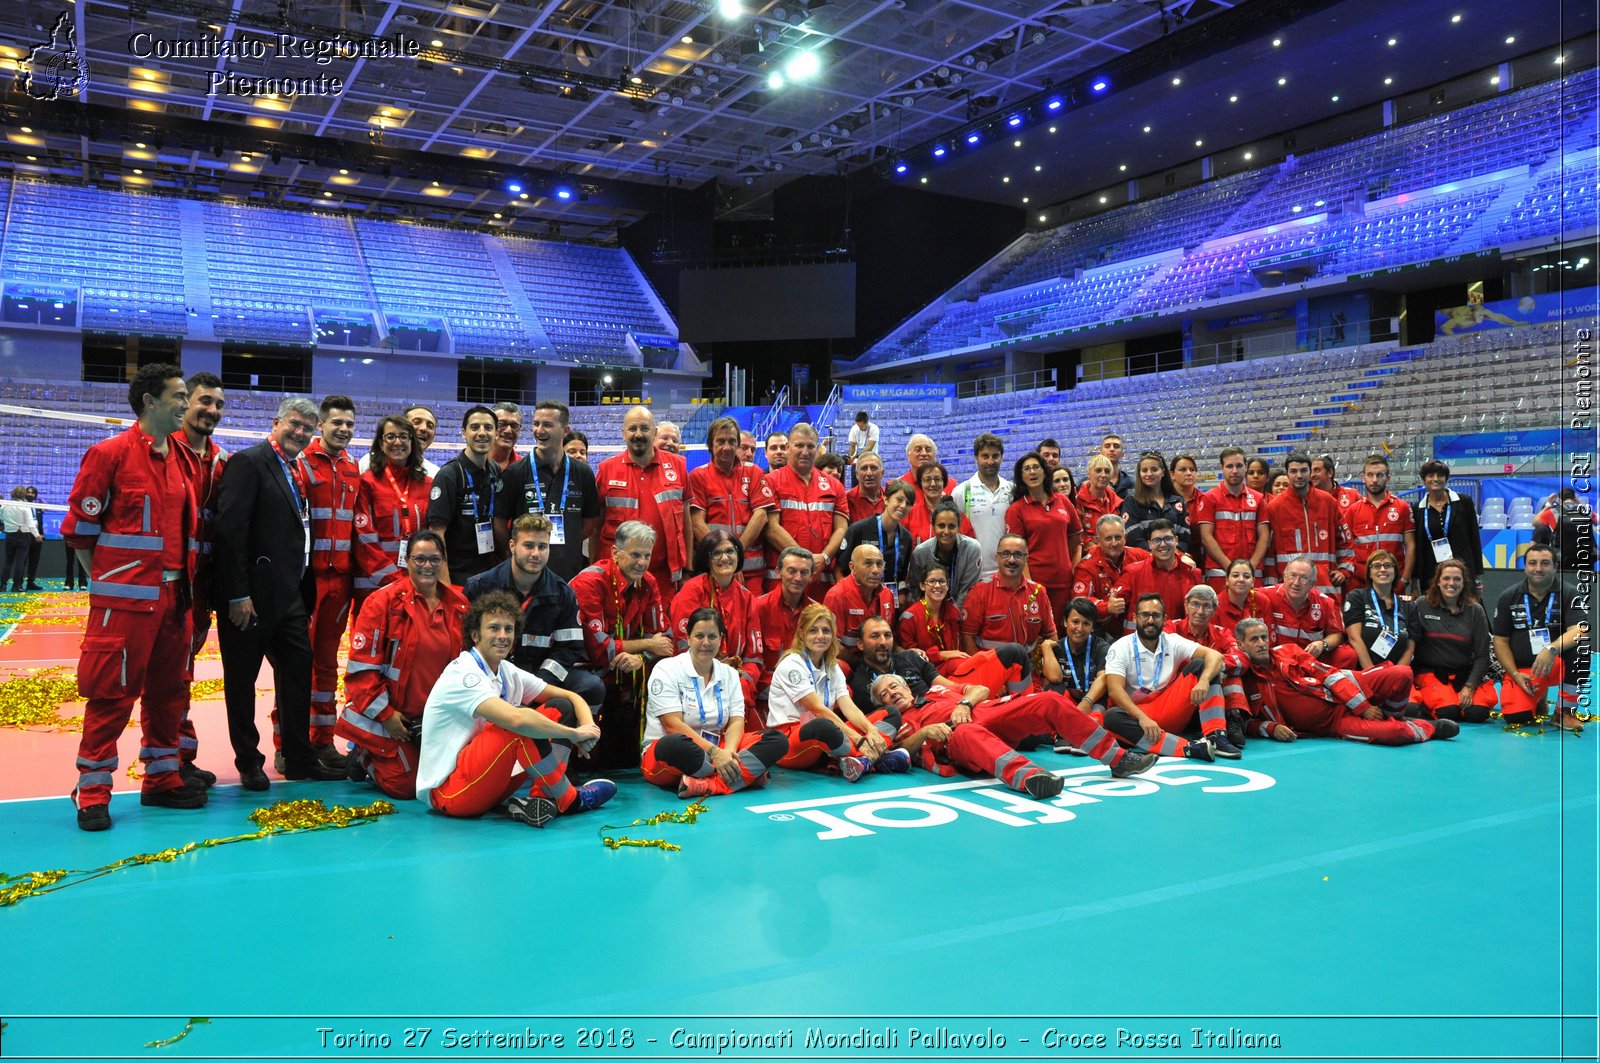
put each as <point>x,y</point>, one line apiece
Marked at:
<point>33,698</point>
<point>688,815</point>
<point>284,817</point>
<point>191,1024</point>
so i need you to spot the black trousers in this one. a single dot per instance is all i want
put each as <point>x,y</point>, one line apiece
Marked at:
<point>286,645</point>
<point>75,573</point>
<point>16,567</point>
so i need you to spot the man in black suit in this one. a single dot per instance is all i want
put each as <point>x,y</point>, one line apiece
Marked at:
<point>261,545</point>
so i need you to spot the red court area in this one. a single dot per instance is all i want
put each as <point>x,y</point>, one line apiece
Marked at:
<point>38,757</point>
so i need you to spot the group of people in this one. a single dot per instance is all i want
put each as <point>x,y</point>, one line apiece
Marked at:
<point>507,611</point>
<point>19,516</point>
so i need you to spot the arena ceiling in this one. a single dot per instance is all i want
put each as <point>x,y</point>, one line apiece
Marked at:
<point>447,105</point>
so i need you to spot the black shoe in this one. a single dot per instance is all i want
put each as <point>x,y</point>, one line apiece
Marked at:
<point>354,768</point>
<point>177,797</point>
<point>1043,785</point>
<point>1132,763</point>
<point>278,762</point>
<point>254,778</point>
<point>314,772</point>
<point>534,811</point>
<point>329,757</point>
<point>191,773</point>
<point>1237,719</point>
<point>94,817</point>
<point>35,587</point>
<point>1446,728</point>
<point>1032,742</point>
<point>1200,749</point>
<point>1416,710</point>
<point>1221,746</point>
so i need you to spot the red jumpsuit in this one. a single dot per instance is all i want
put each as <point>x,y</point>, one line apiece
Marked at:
<point>134,509</point>
<point>777,622</point>
<point>995,614</point>
<point>203,472</point>
<point>851,605</point>
<point>1380,527</point>
<point>737,607</point>
<point>398,648</point>
<point>729,502</point>
<point>657,494</point>
<point>1234,521</point>
<point>806,512</point>
<point>1313,698</point>
<point>1313,526</point>
<point>1091,509</point>
<point>391,506</point>
<point>614,610</point>
<point>860,507</point>
<point>932,635</point>
<point>1048,527</point>
<point>1097,575</point>
<point>1315,620</point>
<point>333,485</point>
<point>1148,577</point>
<point>988,743</point>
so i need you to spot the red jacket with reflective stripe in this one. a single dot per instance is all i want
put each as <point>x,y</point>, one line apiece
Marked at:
<point>114,511</point>
<point>1146,577</point>
<point>777,623</point>
<point>383,524</point>
<point>736,606</point>
<point>600,590</point>
<point>333,486</point>
<point>1374,528</point>
<point>1313,526</point>
<point>1319,617</point>
<point>805,511</point>
<point>1096,576</point>
<point>386,674</point>
<point>623,486</point>
<point>1233,519</point>
<point>848,602</point>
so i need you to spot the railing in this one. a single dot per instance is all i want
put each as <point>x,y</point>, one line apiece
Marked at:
<point>700,421</point>
<point>1243,349</point>
<point>830,410</point>
<point>1030,381</point>
<point>770,418</point>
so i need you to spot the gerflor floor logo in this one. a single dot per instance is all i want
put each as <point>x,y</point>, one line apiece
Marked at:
<point>55,70</point>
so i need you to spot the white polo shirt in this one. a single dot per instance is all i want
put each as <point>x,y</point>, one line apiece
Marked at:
<point>986,510</point>
<point>708,708</point>
<point>450,718</point>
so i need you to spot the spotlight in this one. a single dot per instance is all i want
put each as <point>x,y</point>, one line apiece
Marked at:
<point>901,167</point>
<point>972,138</point>
<point>1014,121</point>
<point>1053,105</point>
<point>513,187</point>
<point>775,81</point>
<point>730,8</point>
<point>563,192</point>
<point>1100,85</point>
<point>938,152</point>
<point>804,65</point>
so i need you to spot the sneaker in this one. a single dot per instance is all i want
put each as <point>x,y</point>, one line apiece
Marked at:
<point>689,786</point>
<point>1043,785</point>
<point>894,762</point>
<point>1221,745</point>
<point>1133,763</point>
<point>594,793</point>
<point>1069,749</point>
<point>1199,750</point>
<point>1237,719</point>
<point>1567,721</point>
<point>192,772</point>
<point>177,797</point>
<point>1446,728</point>
<point>94,817</point>
<point>534,811</point>
<point>852,768</point>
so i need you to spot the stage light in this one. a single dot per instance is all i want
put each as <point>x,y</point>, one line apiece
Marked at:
<point>901,167</point>
<point>1014,121</point>
<point>1053,105</point>
<point>774,81</point>
<point>939,151</point>
<point>1100,85</point>
<point>804,65</point>
<point>972,138</point>
<point>730,8</point>
<point>563,192</point>
<point>513,187</point>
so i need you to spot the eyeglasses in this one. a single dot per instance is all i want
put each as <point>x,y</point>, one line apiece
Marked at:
<point>425,560</point>
<point>1011,555</point>
<point>936,583</point>
<point>725,552</point>
<point>394,437</point>
<point>1163,540</point>
<point>300,427</point>
<point>1149,616</point>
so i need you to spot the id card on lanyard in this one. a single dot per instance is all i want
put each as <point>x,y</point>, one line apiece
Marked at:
<point>710,734</point>
<point>1441,543</point>
<point>483,529</point>
<point>301,502</point>
<point>1539,637</point>
<point>558,520</point>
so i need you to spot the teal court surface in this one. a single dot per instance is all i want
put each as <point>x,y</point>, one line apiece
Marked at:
<point>1317,900</point>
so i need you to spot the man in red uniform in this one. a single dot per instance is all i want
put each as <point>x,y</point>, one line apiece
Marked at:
<point>1309,522</point>
<point>1007,607</point>
<point>1380,521</point>
<point>130,517</point>
<point>1291,693</point>
<point>1165,573</point>
<point>862,595</point>
<point>645,483</point>
<point>920,450</point>
<point>203,460</point>
<point>333,482</point>
<point>1231,522</point>
<point>865,499</point>
<point>1196,625</point>
<point>625,627</point>
<point>977,734</point>
<point>811,510</point>
<point>725,493</point>
<point>1299,615</point>
<point>1101,569</point>
<point>1323,479</point>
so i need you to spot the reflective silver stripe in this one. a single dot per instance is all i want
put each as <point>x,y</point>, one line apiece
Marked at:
<point>185,742</point>
<point>383,573</point>
<point>341,544</point>
<point>673,495</point>
<point>365,583</point>
<point>568,634</point>
<point>1296,633</point>
<point>321,512</point>
<point>752,764</point>
<point>555,668</point>
<point>1417,733</point>
<point>378,704</point>
<point>622,502</point>
<point>1003,761</point>
<point>367,537</point>
<point>1373,538</point>
<point>109,589</point>
<point>94,778</point>
<point>322,544</point>
<point>85,528</point>
<point>163,765</point>
<point>992,644</point>
<point>536,640</point>
<point>321,695</point>
<point>132,542</point>
<point>1236,514</point>
<point>323,719</point>
<point>814,507</point>
<point>109,762</point>
<point>355,667</point>
<point>361,723</point>
<point>146,527</point>
<point>344,514</point>
<point>391,672</point>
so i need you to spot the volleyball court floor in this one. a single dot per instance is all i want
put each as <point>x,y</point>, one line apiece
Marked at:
<point>1314,900</point>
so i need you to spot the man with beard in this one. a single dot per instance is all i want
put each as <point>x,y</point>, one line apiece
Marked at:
<point>862,595</point>
<point>1181,680</point>
<point>647,484</point>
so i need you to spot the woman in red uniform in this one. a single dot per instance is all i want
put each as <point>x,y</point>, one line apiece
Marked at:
<point>403,637</point>
<point>718,560</point>
<point>1240,601</point>
<point>933,623</point>
<point>931,481</point>
<point>391,506</point>
<point>1095,498</point>
<point>1051,527</point>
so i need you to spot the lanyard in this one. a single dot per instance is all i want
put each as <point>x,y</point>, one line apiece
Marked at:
<point>893,568</point>
<point>1446,518</point>
<point>1138,665</point>
<point>700,701</point>
<point>538,488</point>
<point>477,492</point>
<point>476,656</point>
<point>403,496</point>
<point>934,627</point>
<point>1377,606</point>
<point>827,681</point>
<point>294,482</point>
<point>1549,608</point>
<point>1081,683</point>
